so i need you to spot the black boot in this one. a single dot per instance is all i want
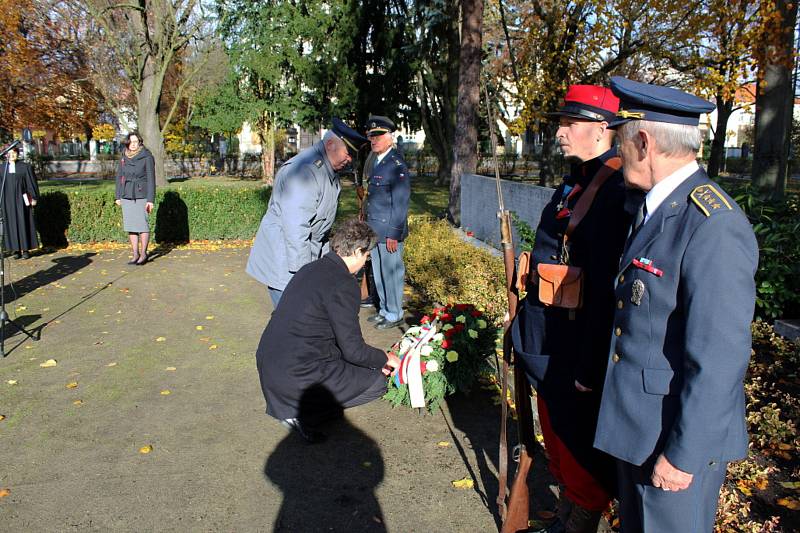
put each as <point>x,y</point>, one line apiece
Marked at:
<point>310,435</point>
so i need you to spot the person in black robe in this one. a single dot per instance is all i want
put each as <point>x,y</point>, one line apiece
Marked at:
<point>313,340</point>
<point>20,194</point>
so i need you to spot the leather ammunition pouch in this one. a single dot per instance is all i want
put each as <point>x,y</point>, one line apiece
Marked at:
<point>560,285</point>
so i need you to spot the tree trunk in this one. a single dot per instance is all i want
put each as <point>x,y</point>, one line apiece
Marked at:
<point>465,157</point>
<point>774,104</point>
<point>547,158</point>
<point>148,102</point>
<point>724,110</point>
<point>266,134</point>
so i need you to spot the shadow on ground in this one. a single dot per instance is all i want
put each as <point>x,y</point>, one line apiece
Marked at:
<point>61,268</point>
<point>469,414</point>
<point>328,486</point>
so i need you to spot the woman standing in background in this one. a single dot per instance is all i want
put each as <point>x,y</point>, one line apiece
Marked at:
<point>135,192</point>
<point>20,194</point>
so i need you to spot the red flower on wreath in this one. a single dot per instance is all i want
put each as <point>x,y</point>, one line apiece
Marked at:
<point>445,317</point>
<point>458,328</point>
<point>449,333</point>
<point>445,344</point>
<point>425,319</point>
<point>476,314</point>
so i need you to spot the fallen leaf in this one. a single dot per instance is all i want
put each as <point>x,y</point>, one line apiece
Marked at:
<point>791,485</point>
<point>784,446</point>
<point>744,487</point>
<point>49,363</point>
<point>21,308</point>
<point>789,503</point>
<point>12,381</point>
<point>199,328</point>
<point>212,347</point>
<point>146,449</point>
<point>210,317</point>
<point>366,464</point>
<point>160,339</point>
<point>4,492</point>
<point>784,455</point>
<point>165,392</point>
<point>112,364</point>
<point>2,417</point>
<point>72,385</point>
<point>465,483</point>
<point>546,515</point>
<point>90,311</point>
<point>170,369</point>
<point>443,444</point>
<point>78,402</point>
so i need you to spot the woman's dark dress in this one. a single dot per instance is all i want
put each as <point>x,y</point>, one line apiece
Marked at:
<point>313,340</point>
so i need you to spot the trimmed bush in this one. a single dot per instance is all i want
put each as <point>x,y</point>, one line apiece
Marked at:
<point>81,214</point>
<point>447,270</point>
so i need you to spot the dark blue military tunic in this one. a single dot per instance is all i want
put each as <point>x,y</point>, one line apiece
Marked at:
<point>556,350</point>
<point>387,199</point>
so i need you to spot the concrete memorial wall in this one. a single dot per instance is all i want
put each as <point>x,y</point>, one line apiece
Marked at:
<point>479,206</point>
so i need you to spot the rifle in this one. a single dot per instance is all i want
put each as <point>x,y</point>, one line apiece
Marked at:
<point>514,513</point>
<point>361,197</point>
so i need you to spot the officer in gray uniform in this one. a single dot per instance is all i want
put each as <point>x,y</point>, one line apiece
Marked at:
<point>301,210</point>
<point>673,410</point>
<point>388,193</point>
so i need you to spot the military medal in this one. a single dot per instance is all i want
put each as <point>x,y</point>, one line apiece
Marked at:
<point>569,191</point>
<point>637,292</point>
<point>647,265</point>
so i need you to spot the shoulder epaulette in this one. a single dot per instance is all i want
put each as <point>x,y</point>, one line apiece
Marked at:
<point>709,199</point>
<point>318,163</point>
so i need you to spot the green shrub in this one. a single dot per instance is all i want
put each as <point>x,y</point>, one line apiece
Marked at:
<point>81,214</point>
<point>776,225</point>
<point>447,270</point>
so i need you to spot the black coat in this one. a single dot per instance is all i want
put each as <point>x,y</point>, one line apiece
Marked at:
<point>314,338</point>
<point>136,177</point>
<point>20,229</point>
<point>556,350</point>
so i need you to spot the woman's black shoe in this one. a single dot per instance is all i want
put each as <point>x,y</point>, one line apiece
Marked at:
<point>310,435</point>
<point>26,255</point>
<point>17,255</point>
<point>142,260</point>
<point>133,261</point>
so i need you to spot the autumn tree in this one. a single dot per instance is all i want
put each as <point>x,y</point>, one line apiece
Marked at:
<point>142,40</point>
<point>774,53</point>
<point>465,156</point>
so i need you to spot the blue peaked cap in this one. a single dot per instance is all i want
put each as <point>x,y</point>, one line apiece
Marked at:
<point>643,101</point>
<point>352,139</point>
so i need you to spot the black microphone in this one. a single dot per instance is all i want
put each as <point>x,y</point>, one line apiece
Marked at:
<point>7,148</point>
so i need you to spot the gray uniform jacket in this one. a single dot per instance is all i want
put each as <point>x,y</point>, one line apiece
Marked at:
<point>681,336</point>
<point>301,210</point>
<point>387,197</point>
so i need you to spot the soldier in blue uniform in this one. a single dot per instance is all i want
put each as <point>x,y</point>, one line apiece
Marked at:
<point>301,210</point>
<point>388,193</point>
<point>673,407</point>
<point>564,352</point>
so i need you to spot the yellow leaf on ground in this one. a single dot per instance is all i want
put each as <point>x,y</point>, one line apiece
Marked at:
<point>2,417</point>
<point>791,485</point>
<point>72,385</point>
<point>160,339</point>
<point>210,317</point>
<point>212,347</point>
<point>78,402</point>
<point>744,487</point>
<point>146,449</point>
<point>789,503</point>
<point>784,446</point>
<point>170,369</point>
<point>12,381</point>
<point>443,444</point>
<point>465,483</point>
<point>49,363</point>
<point>199,328</point>
<point>112,364</point>
<point>165,392</point>
<point>4,492</point>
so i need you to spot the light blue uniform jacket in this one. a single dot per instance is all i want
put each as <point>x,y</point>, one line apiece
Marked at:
<point>680,348</point>
<point>301,211</point>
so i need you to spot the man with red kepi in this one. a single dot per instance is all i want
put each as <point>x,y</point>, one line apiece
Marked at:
<point>563,347</point>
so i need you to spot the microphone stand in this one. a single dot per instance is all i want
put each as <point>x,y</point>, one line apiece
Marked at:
<point>3,315</point>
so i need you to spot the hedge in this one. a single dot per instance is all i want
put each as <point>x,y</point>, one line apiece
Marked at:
<point>88,214</point>
<point>447,270</point>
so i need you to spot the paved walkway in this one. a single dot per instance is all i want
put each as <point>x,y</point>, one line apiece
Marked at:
<point>162,356</point>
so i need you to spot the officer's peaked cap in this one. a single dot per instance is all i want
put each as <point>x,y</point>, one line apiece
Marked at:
<point>378,125</point>
<point>351,138</point>
<point>644,101</point>
<point>588,102</point>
